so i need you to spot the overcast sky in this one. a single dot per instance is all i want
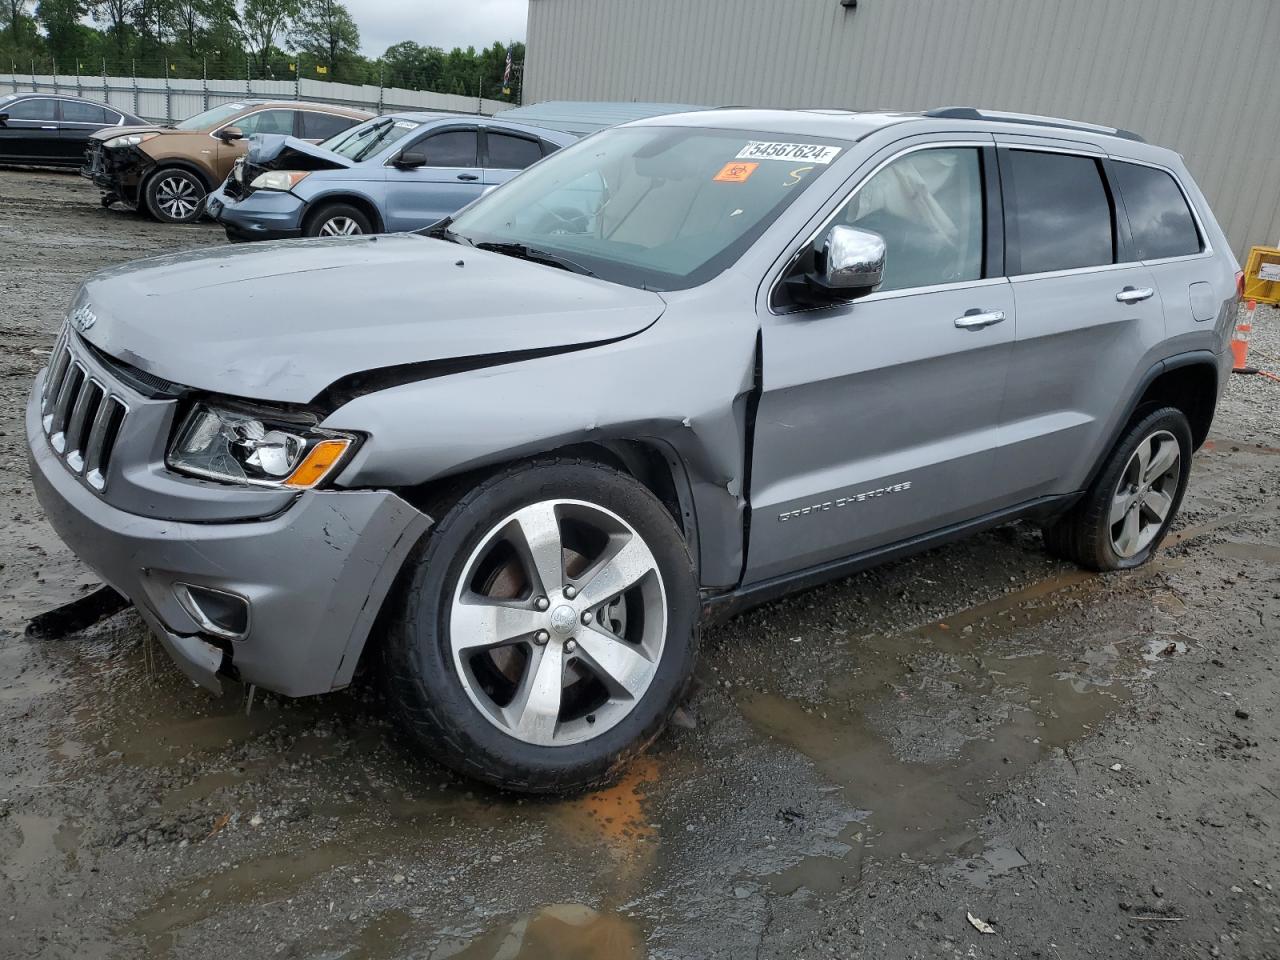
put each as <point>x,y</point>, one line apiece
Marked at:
<point>437,23</point>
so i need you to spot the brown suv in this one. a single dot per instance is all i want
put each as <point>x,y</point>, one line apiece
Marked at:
<point>169,169</point>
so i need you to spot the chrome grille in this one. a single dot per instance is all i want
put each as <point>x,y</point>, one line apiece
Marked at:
<point>80,414</point>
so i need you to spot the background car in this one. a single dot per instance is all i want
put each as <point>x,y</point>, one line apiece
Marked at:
<point>399,172</point>
<point>168,170</point>
<point>40,128</point>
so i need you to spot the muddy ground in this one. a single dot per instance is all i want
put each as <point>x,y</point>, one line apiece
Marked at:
<point>1087,763</point>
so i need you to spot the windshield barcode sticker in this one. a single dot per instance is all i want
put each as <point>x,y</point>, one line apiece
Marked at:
<point>808,152</point>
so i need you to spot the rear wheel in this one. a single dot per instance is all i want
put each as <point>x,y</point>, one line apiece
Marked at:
<point>173,195</point>
<point>1128,510</point>
<point>546,628</point>
<point>337,220</point>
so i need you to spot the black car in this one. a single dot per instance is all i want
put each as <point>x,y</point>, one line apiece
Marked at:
<point>52,129</point>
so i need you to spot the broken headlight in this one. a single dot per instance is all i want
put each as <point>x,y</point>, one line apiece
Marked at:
<point>238,445</point>
<point>128,140</point>
<point>279,179</point>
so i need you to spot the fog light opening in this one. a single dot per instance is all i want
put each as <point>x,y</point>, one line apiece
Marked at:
<point>218,612</point>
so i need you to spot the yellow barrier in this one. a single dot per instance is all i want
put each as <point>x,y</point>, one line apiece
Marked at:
<point>1262,275</point>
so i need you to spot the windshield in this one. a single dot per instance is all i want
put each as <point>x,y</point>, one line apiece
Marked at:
<point>663,208</point>
<point>370,137</point>
<point>213,117</point>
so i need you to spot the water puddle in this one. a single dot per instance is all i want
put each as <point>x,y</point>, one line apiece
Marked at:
<point>566,931</point>
<point>920,729</point>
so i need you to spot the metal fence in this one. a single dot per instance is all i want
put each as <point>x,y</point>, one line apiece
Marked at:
<point>166,99</point>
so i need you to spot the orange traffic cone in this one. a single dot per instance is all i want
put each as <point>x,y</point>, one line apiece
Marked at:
<point>1240,344</point>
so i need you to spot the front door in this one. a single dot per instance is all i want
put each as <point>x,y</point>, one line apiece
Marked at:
<point>31,133</point>
<point>451,178</point>
<point>879,419</point>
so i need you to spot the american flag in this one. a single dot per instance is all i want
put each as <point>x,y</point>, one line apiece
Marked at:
<point>506,74</point>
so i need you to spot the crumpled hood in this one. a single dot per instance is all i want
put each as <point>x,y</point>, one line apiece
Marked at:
<point>275,151</point>
<point>282,321</point>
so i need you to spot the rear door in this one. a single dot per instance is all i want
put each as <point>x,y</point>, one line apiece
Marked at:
<point>1089,313</point>
<point>451,179</point>
<point>506,153</point>
<point>31,133</point>
<point>77,121</point>
<point>879,419</point>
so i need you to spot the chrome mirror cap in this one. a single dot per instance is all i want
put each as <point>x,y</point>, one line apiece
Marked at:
<point>854,259</point>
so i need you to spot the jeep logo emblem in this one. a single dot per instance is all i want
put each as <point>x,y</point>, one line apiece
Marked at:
<point>83,318</point>
<point>563,619</point>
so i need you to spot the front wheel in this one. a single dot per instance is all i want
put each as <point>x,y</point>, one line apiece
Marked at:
<point>546,628</point>
<point>337,220</point>
<point>1125,514</point>
<point>175,196</point>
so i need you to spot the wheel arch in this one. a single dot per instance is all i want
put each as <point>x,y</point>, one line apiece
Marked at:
<point>176,163</point>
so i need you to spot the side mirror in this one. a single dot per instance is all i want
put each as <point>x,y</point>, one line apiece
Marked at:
<point>4,119</point>
<point>229,134</point>
<point>854,260</point>
<point>411,159</point>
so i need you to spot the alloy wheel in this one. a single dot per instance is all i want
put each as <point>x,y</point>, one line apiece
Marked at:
<point>558,622</point>
<point>340,227</point>
<point>1144,496</point>
<point>178,197</point>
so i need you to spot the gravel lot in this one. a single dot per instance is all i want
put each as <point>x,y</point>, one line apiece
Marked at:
<point>1087,763</point>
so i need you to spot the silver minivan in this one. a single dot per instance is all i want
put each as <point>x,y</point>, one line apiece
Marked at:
<point>683,366</point>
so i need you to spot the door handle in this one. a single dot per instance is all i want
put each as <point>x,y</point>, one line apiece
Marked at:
<point>1135,294</point>
<point>468,176</point>
<point>976,320</point>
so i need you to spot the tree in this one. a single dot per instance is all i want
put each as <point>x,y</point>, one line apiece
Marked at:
<point>409,65</point>
<point>117,14</point>
<point>263,22</point>
<point>61,22</point>
<point>15,11</point>
<point>325,30</point>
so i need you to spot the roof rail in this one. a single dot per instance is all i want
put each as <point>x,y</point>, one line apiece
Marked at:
<point>996,116</point>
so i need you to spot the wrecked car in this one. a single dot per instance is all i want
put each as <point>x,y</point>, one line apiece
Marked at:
<point>168,171</point>
<point>399,172</point>
<point>678,368</point>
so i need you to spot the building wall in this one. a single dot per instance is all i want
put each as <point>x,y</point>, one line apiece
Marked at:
<point>1196,75</point>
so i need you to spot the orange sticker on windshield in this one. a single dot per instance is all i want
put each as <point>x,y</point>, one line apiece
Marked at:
<point>735,172</point>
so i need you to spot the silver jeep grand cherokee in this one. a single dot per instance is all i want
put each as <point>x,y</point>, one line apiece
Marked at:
<point>686,365</point>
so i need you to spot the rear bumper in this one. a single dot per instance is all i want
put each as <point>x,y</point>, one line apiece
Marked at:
<point>314,576</point>
<point>263,215</point>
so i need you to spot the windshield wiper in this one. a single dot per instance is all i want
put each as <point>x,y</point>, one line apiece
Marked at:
<point>441,231</point>
<point>525,252</point>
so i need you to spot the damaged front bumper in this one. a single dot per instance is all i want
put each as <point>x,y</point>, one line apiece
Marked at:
<point>312,577</point>
<point>257,215</point>
<point>118,172</point>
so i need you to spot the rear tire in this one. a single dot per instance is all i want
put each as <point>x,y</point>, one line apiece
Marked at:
<point>567,681</point>
<point>1127,511</point>
<point>174,195</point>
<point>337,220</point>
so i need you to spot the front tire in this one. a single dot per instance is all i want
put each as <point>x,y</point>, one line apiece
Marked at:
<point>174,195</point>
<point>1126,513</point>
<point>337,220</point>
<point>546,628</point>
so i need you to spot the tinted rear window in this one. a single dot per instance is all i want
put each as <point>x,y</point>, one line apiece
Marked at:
<point>322,126</point>
<point>512,153</point>
<point>73,112</point>
<point>1161,222</point>
<point>1060,214</point>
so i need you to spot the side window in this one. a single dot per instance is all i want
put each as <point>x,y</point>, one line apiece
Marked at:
<point>511,153</point>
<point>452,148</point>
<point>322,126</point>
<point>73,112</point>
<point>928,207</point>
<point>1161,222</point>
<point>267,121</point>
<point>38,109</point>
<point>1059,214</point>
